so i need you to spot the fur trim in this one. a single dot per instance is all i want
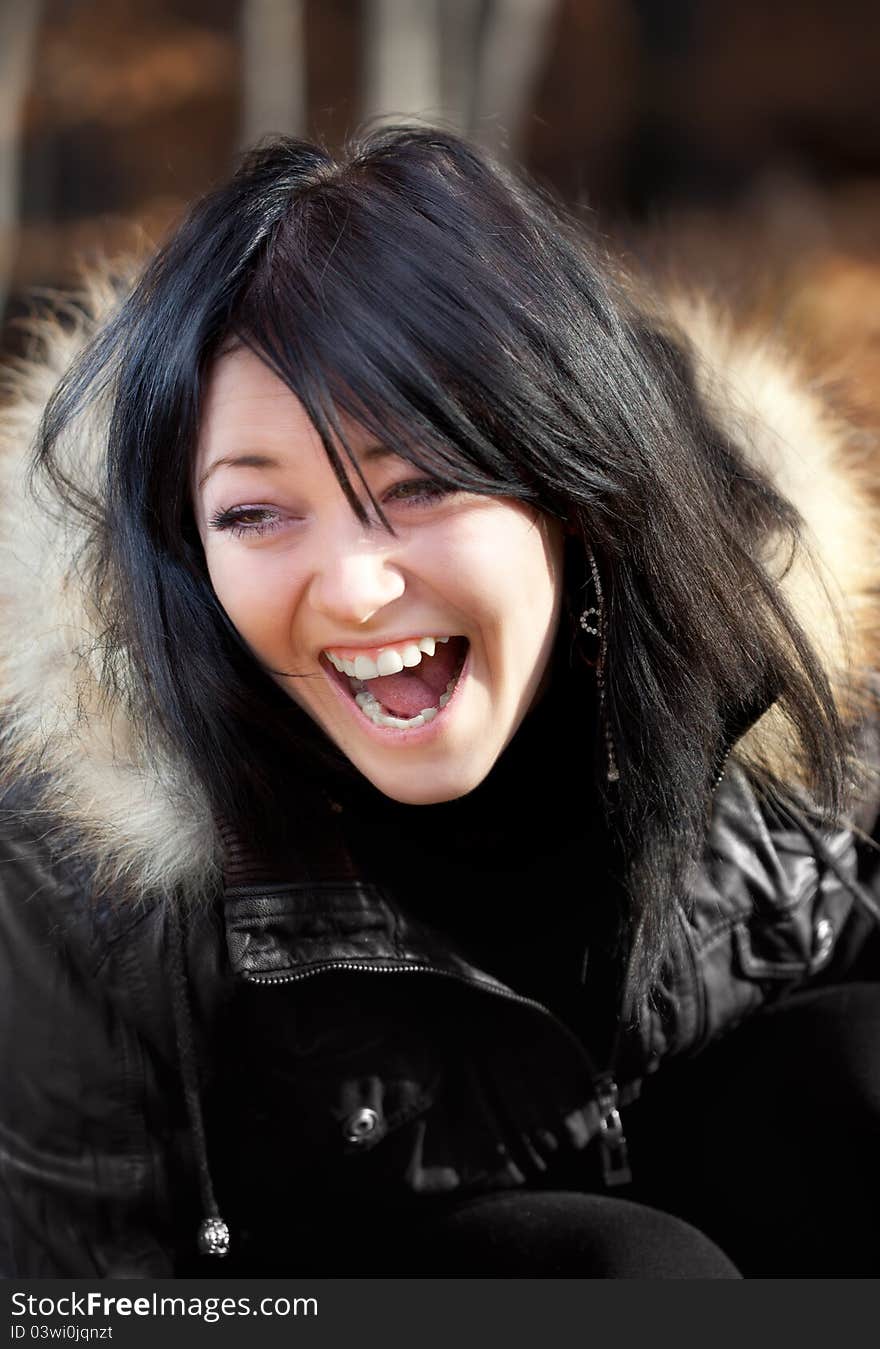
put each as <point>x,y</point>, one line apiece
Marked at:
<point>134,811</point>
<point>828,469</point>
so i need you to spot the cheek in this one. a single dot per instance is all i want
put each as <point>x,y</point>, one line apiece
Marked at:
<point>519,571</point>
<point>259,603</point>
<point>503,573</point>
<point>531,605</point>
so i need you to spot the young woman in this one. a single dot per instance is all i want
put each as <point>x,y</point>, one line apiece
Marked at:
<point>438,726</point>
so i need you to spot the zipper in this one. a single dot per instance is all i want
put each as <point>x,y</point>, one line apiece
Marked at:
<point>612,1143</point>
<point>364,967</point>
<point>613,1148</point>
<point>721,770</point>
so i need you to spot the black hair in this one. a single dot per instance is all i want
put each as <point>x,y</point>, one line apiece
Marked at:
<point>457,314</point>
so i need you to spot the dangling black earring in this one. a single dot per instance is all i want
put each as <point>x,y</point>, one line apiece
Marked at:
<point>592,622</point>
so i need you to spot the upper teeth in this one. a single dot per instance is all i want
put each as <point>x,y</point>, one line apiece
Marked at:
<point>390,660</point>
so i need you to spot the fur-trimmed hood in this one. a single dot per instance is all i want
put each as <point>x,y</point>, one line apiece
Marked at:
<point>132,810</point>
<point>789,425</point>
<point>135,810</point>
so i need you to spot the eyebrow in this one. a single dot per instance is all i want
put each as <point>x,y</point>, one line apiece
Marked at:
<point>251,459</point>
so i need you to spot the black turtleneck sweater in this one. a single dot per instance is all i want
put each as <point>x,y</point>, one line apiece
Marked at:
<point>516,873</point>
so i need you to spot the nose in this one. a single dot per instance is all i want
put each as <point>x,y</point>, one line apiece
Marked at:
<point>354,579</point>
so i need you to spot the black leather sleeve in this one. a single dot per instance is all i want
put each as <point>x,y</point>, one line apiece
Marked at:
<point>83,1178</point>
<point>778,904</point>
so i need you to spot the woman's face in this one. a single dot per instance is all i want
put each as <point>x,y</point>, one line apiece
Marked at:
<point>418,653</point>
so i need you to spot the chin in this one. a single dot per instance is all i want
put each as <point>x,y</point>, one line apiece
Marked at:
<point>424,788</point>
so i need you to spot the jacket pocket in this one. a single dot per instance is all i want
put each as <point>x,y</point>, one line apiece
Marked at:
<point>772,899</point>
<point>790,933</point>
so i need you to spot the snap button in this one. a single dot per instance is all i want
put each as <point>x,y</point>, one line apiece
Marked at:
<point>823,940</point>
<point>361,1125</point>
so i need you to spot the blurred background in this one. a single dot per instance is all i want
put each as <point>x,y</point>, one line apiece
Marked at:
<point>741,135</point>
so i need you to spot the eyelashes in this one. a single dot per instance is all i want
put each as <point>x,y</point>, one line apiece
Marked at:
<point>418,491</point>
<point>245,520</point>
<point>257,521</point>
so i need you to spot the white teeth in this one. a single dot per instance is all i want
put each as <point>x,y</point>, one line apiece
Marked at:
<point>444,697</point>
<point>390,662</point>
<point>364,668</point>
<point>373,709</point>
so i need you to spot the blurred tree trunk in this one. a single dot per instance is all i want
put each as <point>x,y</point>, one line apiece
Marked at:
<point>469,64</point>
<point>401,60</point>
<point>513,51</point>
<point>459,41</point>
<point>273,69</point>
<point>18,26</point>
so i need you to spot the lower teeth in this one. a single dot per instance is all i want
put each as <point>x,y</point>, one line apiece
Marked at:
<point>372,708</point>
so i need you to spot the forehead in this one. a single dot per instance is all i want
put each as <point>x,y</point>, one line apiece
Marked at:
<point>250,418</point>
<point>242,391</point>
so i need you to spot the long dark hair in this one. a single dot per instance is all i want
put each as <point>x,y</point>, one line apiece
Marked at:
<point>458,315</point>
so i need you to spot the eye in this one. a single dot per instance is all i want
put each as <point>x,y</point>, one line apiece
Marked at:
<point>418,491</point>
<point>241,521</point>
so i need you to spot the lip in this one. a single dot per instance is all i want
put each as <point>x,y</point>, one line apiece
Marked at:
<point>384,735</point>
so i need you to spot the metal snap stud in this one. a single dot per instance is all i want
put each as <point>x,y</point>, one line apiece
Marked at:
<point>361,1125</point>
<point>823,940</point>
<point>213,1237</point>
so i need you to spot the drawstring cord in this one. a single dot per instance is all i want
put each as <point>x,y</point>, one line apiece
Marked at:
<point>213,1234</point>
<point>242,867</point>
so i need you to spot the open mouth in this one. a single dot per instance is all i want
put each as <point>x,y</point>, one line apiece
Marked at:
<point>404,686</point>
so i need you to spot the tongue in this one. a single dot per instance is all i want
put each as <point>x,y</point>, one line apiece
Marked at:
<point>410,692</point>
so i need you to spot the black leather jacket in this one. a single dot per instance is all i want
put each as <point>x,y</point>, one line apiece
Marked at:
<point>144,1048</point>
<point>281,1048</point>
